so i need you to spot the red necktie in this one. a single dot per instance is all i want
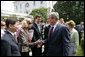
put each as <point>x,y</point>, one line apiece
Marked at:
<point>51,32</point>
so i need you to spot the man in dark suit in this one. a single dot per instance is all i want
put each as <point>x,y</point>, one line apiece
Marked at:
<point>80,29</point>
<point>46,31</point>
<point>37,51</point>
<point>9,45</point>
<point>58,37</point>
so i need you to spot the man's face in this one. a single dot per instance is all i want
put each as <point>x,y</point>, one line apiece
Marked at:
<point>38,20</point>
<point>61,20</point>
<point>52,21</point>
<point>14,27</point>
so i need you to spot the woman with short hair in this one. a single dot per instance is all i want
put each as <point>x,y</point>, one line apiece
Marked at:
<point>24,38</point>
<point>74,37</point>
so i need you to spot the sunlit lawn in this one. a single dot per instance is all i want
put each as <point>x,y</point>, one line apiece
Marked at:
<point>80,49</point>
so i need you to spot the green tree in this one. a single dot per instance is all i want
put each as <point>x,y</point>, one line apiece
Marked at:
<point>70,10</point>
<point>41,11</point>
<point>2,17</point>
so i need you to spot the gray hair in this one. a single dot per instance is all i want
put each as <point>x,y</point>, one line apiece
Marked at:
<point>54,15</point>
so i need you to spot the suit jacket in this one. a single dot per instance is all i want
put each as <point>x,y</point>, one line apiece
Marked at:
<point>9,45</point>
<point>59,44</point>
<point>37,35</point>
<point>46,31</point>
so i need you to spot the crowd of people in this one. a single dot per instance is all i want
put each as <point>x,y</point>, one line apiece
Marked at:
<point>59,38</point>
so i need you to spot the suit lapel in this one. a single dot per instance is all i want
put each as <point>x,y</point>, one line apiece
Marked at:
<point>12,37</point>
<point>49,33</point>
<point>55,30</point>
<point>36,27</point>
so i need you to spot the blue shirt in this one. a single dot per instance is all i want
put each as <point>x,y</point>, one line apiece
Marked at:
<point>55,26</point>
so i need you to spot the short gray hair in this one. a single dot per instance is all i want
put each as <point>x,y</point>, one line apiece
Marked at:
<point>54,15</point>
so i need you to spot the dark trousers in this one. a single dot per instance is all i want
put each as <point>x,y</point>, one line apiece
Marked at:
<point>45,53</point>
<point>80,36</point>
<point>36,51</point>
<point>24,53</point>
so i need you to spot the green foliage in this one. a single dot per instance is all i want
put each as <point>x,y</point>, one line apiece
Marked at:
<point>41,11</point>
<point>13,16</point>
<point>80,51</point>
<point>70,10</point>
<point>2,17</point>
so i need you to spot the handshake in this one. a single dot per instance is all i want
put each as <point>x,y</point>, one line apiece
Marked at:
<point>38,43</point>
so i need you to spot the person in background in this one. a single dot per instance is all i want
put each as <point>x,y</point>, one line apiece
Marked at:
<point>61,21</point>
<point>46,31</point>
<point>9,46</point>
<point>80,29</point>
<point>4,19</point>
<point>74,38</point>
<point>3,26</point>
<point>30,16</point>
<point>37,50</point>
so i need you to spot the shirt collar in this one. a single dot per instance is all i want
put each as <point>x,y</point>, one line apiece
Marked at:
<point>55,25</point>
<point>11,32</point>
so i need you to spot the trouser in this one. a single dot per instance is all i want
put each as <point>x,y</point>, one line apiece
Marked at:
<point>24,53</point>
<point>36,51</point>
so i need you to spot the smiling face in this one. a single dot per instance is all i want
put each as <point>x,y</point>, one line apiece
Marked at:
<point>52,20</point>
<point>53,17</point>
<point>38,20</point>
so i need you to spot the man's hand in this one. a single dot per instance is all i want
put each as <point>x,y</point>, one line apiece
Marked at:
<point>74,52</point>
<point>38,43</point>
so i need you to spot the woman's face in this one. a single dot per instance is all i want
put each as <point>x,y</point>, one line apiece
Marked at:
<point>3,26</point>
<point>30,25</point>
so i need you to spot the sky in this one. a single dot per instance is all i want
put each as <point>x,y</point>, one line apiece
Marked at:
<point>7,5</point>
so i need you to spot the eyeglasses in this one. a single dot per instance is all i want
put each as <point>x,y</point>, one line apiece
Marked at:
<point>29,23</point>
<point>2,25</point>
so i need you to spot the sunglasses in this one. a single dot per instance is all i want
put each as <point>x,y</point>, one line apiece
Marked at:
<point>29,23</point>
<point>2,25</point>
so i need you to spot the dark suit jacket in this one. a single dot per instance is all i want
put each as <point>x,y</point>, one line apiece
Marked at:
<point>46,31</point>
<point>9,46</point>
<point>59,44</point>
<point>37,35</point>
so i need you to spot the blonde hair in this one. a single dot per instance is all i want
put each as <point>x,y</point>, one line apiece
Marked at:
<point>71,23</point>
<point>24,24</point>
<point>2,23</point>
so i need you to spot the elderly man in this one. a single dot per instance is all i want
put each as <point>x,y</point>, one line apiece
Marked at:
<point>58,37</point>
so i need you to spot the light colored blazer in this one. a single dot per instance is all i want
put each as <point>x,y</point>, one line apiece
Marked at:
<point>75,38</point>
